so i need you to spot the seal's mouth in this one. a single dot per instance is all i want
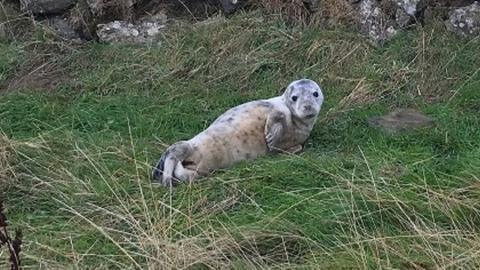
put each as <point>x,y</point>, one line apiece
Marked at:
<point>310,116</point>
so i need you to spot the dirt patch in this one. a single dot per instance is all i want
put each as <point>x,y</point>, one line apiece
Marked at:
<point>41,70</point>
<point>43,77</point>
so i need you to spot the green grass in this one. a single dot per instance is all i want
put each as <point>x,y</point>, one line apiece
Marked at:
<point>357,198</point>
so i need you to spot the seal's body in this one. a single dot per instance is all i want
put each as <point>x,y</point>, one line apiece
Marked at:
<point>245,132</point>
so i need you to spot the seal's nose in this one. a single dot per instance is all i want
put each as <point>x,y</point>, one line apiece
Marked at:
<point>307,107</point>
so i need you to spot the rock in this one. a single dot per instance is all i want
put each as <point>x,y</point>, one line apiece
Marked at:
<point>410,7</point>
<point>439,9</point>
<point>402,18</point>
<point>147,31</point>
<point>374,22</point>
<point>86,15</point>
<point>312,5</point>
<point>62,28</point>
<point>401,120</point>
<point>41,7</point>
<point>230,6</point>
<point>407,11</point>
<point>465,21</point>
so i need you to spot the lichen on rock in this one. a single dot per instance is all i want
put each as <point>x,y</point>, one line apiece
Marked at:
<point>147,31</point>
<point>374,22</point>
<point>465,21</point>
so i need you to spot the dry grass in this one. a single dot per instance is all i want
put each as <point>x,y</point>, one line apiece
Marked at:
<point>327,13</point>
<point>444,237</point>
<point>142,229</point>
<point>14,25</point>
<point>7,159</point>
<point>376,224</point>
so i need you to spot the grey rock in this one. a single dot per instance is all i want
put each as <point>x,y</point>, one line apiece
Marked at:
<point>62,28</point>
<point>465,21</point>
<point>40,7</point>
<point>402,18</point>
<point>146,31</point>
<point>230,6</point>
<point>410,7</point>
<point>374,22</point>
<point>407,10</point>
<point>401,120</point>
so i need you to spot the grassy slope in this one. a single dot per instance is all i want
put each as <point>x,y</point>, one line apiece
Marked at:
<point>356,198</point>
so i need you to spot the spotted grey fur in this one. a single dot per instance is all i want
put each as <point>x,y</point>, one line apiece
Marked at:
<point>245,132</point>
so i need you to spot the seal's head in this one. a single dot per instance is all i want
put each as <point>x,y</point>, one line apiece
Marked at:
<point>304,98</point>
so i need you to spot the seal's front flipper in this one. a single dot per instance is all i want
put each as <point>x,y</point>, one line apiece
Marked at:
<point>295,149</point>
<point>274,128</point>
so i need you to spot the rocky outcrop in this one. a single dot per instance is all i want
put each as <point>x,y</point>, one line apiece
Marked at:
<point>42,7</point>
<point>380,20</point>
<point>124,20</point>
<point>465,21</point>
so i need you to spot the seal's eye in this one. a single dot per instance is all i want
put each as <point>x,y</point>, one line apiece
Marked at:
<point>315,94</point>
<point>294,98</point>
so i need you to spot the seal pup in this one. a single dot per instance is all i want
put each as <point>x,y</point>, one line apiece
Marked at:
<point>245,132</point>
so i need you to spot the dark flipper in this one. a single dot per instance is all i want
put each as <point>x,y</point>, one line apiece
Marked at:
<point>158,169</point>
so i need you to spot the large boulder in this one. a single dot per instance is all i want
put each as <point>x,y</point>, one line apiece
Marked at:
<point>45,7</point>
<point>465,21</point>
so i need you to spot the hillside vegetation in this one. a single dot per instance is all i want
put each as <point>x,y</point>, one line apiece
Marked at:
<point>81,126</point>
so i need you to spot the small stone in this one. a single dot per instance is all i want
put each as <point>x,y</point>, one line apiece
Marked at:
<point>401,120</point>
<point>115,25</point>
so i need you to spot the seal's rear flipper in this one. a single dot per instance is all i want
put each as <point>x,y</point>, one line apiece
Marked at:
<point>165,168</point>
<point>157,173</point>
